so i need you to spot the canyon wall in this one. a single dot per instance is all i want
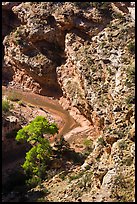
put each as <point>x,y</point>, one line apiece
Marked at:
<point>84,55</point>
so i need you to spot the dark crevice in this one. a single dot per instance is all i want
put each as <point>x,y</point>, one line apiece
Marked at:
<point>51,90</point>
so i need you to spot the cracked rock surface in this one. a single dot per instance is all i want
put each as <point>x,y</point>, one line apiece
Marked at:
<point>83,55</point>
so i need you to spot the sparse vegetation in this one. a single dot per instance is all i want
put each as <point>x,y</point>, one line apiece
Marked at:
<point>128,161</point>
<point>117,15</point>
<point>88,147</point>
<point>110,70</point>
<point>62,175</point>
<point>122,144</point>
<point>131,74</point>
<point>82,5</point>
<point>6,106</point>
<point>123,189</point>
<point>93,68</point>
<point>76,176</point>
<point>89,61</point>
<point>130,99</point>
<point>131,47</point>
<point>120,133</point>
<point>101,141</point>
<point>21,103</point>
<point>88,143</point>
<point>103,7</point>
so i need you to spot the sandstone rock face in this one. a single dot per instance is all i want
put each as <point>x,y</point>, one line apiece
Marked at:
<point>83,54</point>
<point>9,22</point>
<point>40,49</point>
<point>37,46</point>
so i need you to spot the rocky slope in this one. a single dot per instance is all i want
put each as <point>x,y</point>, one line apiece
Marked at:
<point>82,54</point>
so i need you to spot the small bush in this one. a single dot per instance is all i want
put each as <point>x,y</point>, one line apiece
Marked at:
<point>89,61</point>
<point>21,103</point>
<point>89,147</point>
<point>120,133</point>
<point>76,176</point>
<point>87,143</point>
<point>122,144</point>
<point>131,73</point>
<point>101,141</point>
<point>128,161</point>
<point>130,99</point>
<point>117,15</point>
<point>62,175</point>
<point>6,106</point>
<point>82,4</point>
<point>131,47</point>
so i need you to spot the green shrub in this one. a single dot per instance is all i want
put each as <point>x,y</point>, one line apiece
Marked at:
<point>131,73</point>
<point>130,99</point>
<point>6,106</point>
<point>76,176</point>
<point>89,147</point>
<point>89,61</point>
<point>117,15</point>
<point>131,47</point>
<point>101,141</point>
<point>21,103</point>
<point>128,161</point>
<point>62,175</point>
<point>88,143</point>
<point>122,144</point>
